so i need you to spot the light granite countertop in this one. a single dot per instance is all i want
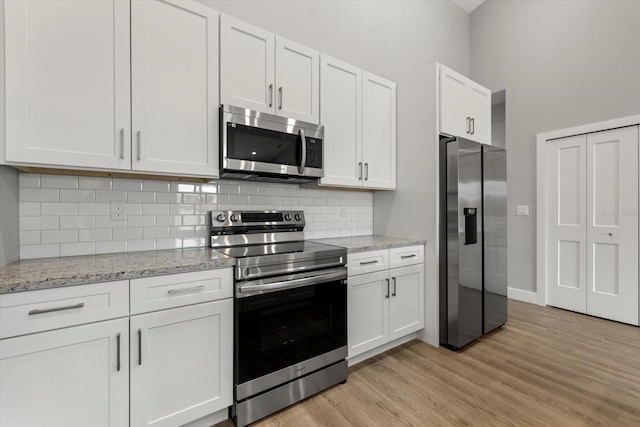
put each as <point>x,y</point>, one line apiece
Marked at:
<point>44,273</point>
<point>369,243</point>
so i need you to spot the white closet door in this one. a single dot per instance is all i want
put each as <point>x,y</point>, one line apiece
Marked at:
<point>612,218</point>
<point>566,220</point>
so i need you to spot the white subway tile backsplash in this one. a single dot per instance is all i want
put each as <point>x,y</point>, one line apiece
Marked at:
<point>127,184</point>
<point>58,236</point>
<point>58,181</point>
<point>39,251</point>
<point>39,195</point>
<point>29,208</point>
<point>95,183</point>
<point>39,223</point>
<point>59,208</point>
<point>77,222</point>
<point>76,249</point>
<point>164,215</point>
<point>111,247</point>
<point>95,235</point>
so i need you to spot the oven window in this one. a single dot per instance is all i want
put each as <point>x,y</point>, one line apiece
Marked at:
<point>283,328</point>
<point>262,145</point>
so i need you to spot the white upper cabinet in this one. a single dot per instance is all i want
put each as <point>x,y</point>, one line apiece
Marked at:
<point>378,132</point>
<point>358,111</point>
<point>174,73</point>
<point>264,72</point>
<point>67,83</point>
<point>85,79</point>
<point>465,107</point>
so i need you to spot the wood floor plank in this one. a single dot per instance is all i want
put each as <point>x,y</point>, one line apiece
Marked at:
<point>546,367</point>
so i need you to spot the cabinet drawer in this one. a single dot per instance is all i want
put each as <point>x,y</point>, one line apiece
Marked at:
<point>408,255</point>
<point>161,292</point>
<point>35,311</point>
<point>367,262</point>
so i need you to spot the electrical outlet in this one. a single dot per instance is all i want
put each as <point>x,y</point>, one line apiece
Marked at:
<point>117,211</point>
<point>522,210</point>
<point>344,212</point>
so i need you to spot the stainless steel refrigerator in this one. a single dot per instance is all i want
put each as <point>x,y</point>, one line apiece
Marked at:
<point>473,240</point>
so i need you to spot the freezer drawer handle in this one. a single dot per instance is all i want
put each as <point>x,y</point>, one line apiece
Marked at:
<point>470,226</point>
<point>51,310</point>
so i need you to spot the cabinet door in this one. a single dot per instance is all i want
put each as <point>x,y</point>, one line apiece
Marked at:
<point>367,311</point>
<point>181,363</point>
<point>612,224</point>
<point>341,115</point>
<point>406,310</point>
<point>566,222</point>
<point>67,83</point>
<point>247,66</point>
<point>479,109</point>
<point>69,377</point>
<point>454,119</point>
<point>378,132</point>
<point>174,87</point>
<point>297,81</point>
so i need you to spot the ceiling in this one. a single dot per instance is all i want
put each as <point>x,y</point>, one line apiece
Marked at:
<point>468,5</point>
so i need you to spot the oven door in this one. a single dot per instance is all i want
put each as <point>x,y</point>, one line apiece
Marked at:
<point>255,142</point>
<point>287,327</point>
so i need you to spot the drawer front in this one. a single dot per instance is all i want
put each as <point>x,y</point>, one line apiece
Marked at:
<point>408,255</point>
<point>175,290</point>
<point>367,262</point>
<point>35,311</point>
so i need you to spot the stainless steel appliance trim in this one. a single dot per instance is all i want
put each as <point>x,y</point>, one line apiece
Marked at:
<point>243,116</point>
<point>51,310</point>
<point>289,373</point>
<point>255,239</point>
<point>288,263</point>
<point>273,284</point>
<point>265,404</point>
<point>303,144</point>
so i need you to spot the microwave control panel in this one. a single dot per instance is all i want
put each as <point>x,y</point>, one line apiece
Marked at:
<point>314,153</point>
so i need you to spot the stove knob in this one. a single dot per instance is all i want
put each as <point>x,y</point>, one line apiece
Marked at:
<point>234,218</point>
<point>298,217</point>
<point>221,218</point>
<point>287,217</point>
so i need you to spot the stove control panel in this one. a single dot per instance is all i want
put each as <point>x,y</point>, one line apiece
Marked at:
<point>256,219</point>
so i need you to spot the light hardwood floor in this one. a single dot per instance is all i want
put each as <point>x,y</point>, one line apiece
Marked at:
<point>546,367</point>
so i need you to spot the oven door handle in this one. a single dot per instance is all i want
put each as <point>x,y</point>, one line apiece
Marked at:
<point>258,286</point>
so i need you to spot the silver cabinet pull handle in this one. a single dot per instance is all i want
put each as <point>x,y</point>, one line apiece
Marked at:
<point>118,352</point>
<point>360,170</point>
<point>394,287</point>
<point>280,90</point>
<point>468,124</point>
<point>407,256</point>
<point>139,146</point>
<point>473,125</point>
<point>178,291</point>
<point>122,143</point>
<point>51,310</point>
<point>366,171</point>
<point>387,295</point>
<point>271,95</point>
<point>139,347</point>
<point>375,261</point>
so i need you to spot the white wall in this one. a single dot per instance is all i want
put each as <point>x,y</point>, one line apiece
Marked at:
<point>563,64</point>
<point>8,215</point>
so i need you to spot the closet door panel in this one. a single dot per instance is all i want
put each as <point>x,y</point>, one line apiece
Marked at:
<point>612,218</point>
<point>566,219</point>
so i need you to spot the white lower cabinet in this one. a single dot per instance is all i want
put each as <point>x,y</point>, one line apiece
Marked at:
<point>181,364</point>
<point>387,304</point>
<point>76,376</point>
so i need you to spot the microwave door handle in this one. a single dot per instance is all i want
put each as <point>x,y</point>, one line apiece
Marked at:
<point>303,141</point>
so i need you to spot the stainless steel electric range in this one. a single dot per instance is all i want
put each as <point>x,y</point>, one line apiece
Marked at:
<point>290,319</point>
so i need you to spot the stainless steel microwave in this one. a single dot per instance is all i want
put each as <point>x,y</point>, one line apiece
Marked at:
<point>264,147</point>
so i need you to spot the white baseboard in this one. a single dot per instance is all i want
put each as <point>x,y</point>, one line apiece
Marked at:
<point>520,295</point>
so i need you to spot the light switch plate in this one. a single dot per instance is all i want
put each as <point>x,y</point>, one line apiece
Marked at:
<point>522,210</point>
